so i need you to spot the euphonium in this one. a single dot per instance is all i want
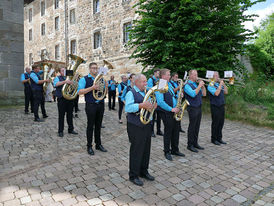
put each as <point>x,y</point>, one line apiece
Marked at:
<point>102,91</point>
<point>181,106</point>
<point>69,91</point>
<point>46,68</point>
<point>146,115</point>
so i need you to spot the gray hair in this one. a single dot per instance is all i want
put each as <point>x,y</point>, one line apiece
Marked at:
<point>123,76</point>
<point>138,77</point>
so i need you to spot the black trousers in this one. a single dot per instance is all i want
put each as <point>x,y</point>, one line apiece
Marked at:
<point>28,99</point>
<point>156,118</point>
<point>218,119</point>
<point>195,115</point>
<point>95,113</point>
<point>171,132</point>
<point>75,104</point>
<point>121,106</point>
<point>64,106</point>
<point>111,97</point>
<point>38,99</point>
<point>139,153</point>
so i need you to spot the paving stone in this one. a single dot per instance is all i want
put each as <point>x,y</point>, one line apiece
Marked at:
<point>239,198</point>
<point>178,197</point>
<point>94,201</point>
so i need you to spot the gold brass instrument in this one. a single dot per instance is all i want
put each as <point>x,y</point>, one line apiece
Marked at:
<point>69,91</point>
<point>46,68</point>
<point>181,106</point>
<point>210,81</point>
<point>101,93</point>
<point>146,115</point>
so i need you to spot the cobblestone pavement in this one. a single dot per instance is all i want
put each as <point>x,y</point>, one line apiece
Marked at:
<point>39,168</point>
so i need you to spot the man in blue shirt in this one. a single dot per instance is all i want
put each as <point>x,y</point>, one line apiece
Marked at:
<point>193,94</point>
<point>25,79</point>
<point>64,105</point>
<point>139,134</point>
<point>217,106</point>
<point>129,86</point>
<point>111,93</point>
<point>94,108</point>
<point>167,106</point>
<point>37,91</point>
<point>121,88</point>
<point>156,116</point>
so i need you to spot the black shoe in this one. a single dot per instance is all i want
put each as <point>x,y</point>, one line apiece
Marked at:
<point>177,153</point>
<point>160,133</point>
<point>45,116</point>
<point>76,116</point>
<point>101,148</point>
<point>168,156</point>
<point>32,111</point>
<point>148,177</point>
<point>90,151</point>
<point>221,141</point>
<point>136,181</point>
<point>78,110</point>
<point>153,134</point>
<point>114,109</point>
<point>26,112</point>
<point>216,142</point>
<point>38,120</point>
<point>60,134</point>
<point>183,131</point>
<point>199,147</point>
<point>120,122</point>
<point>73,132</point>
<point>102,126</point>
<point>192,149</point>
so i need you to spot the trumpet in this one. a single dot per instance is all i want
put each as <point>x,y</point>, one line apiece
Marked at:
<point>210,82</point>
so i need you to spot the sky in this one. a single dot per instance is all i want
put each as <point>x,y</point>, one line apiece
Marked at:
<point>262,9</point>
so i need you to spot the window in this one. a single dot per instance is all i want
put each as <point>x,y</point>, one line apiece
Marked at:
<point>96,6</point>
<point>43,8</point>
<point>56,4</point>
<point>72,16</point>
<point>30,35</point>
<point>57,52</point>
<point>30,59</point>
<point>57,23</point>
<point>30,15</point>
<point>73,46</point>
<point>126,28</point>
<point>97,40</point>
<point>43,29</point>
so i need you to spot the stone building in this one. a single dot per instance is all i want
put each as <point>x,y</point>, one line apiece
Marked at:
<point>11,50</point>
<point>95,30</point>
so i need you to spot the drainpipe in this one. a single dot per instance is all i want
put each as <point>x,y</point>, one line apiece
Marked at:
<point>66,30</point>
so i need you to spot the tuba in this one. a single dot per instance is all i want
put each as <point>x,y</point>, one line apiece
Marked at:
<point>146,115</point>
<point>181,106</point>
<point>69,91</point>
<point>46,67</point>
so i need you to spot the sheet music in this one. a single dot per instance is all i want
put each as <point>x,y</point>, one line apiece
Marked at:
<point>185,76</point>
<point>65,72</point>
<point>103,70</point>
<point>209,74</point>
<point>162,84</point>
<point>51,72</point>
<point>228,74</point>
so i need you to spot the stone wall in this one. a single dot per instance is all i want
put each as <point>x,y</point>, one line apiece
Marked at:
<point>11,50</point>
<point>109,21</point>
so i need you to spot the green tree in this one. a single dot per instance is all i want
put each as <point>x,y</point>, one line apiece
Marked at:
<point>190,34</point>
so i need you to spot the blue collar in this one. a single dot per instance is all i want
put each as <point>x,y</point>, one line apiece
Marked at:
<point>89,75</point>
<point>137,89</point>
<point>170,88</point>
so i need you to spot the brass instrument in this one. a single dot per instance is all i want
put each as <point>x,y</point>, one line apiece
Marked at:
<point>181,106</point>
<point>101,93</point>
<point>210,81</point>
<point>146,115</point>
<point>69,91</point>
<point>46,68</point>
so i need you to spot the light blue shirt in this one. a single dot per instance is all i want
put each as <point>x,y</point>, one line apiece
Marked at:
<point>212,89</point>
<point>34,77</point>
<point>150,82</point>
<point>111,86</point>
<point>132,107</point>
<point>120,89</point>
<point>23,76</point>
<point>82,82</point>
<point>124,93</point>
<point>56,80</point>
<point>161,102</point>
<point>128,82</point>
<point>191,92</point>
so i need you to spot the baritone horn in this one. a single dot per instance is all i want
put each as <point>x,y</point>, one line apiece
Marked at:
<point>69,91</point>
<point>146,115</point>
<point>180,105</point>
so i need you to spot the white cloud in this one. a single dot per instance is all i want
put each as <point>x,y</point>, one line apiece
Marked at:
<point>263,13</point>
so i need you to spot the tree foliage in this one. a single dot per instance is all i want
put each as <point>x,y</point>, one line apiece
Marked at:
<point>190,34</point>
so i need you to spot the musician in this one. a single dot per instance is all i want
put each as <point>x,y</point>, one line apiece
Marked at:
<point>167,106</point>
<point>64,106</point>
<point>37,91</point>
<point>156,116</point>
<point>217,106</point>
<point>194,93</point>
<point>121,88</point>
<point>129,86</point>
<point>75,106</point>
<point>94,108</point>
<point>139,134</point>
<point>111,93</point>
<point>25,79</point>
<point>175,84</point>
